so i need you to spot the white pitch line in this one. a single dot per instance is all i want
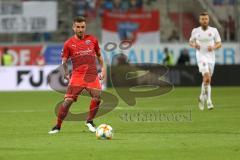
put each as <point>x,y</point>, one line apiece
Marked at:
<point>129,108</point>
<point>24,111</point>
<point>168,106</point>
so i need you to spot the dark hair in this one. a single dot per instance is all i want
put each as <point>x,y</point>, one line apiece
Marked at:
<point>79,19</point>
<point>204,14</point>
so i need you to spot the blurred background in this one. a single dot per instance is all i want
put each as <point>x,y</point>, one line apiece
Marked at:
<point>32,34</point>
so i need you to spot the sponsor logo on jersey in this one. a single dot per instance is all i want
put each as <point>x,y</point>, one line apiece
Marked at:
<point>87,42</point>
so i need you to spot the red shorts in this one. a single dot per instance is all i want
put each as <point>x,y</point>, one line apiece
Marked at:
<point>79,82</point>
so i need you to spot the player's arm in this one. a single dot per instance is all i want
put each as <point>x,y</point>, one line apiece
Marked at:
<point>100,59</point>
<point>101,62</point>
<point>194,44</point>
<point>192,41</point>
<point>65,68</point>
<point>217,44</point>
<point>65,55</point>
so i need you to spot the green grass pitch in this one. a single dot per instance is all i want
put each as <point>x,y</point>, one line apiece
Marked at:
<point>26,117</point>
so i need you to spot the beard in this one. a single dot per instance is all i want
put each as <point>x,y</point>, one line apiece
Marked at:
<point>80,35</point>
<point>204,26</point>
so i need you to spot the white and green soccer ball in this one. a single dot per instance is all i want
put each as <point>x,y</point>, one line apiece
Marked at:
<point>104,131</point>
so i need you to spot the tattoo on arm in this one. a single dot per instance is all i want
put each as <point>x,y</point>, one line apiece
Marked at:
<point>65,66</point>
<point>100,59</point>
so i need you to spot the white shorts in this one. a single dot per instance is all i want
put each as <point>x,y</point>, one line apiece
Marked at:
<point>206,68</point>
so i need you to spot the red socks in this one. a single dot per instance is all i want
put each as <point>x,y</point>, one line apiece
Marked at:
<point>94,105</point>
<point>62,113</point>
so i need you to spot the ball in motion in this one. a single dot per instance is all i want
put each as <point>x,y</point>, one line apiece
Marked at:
<point>104,131</point>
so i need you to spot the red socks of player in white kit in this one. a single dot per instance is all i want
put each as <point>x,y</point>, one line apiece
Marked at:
<point>94,105</point>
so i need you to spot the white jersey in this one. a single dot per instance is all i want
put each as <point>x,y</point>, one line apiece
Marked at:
<point>204,39</point>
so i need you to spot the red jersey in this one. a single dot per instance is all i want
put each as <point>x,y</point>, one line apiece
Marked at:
<point>82,53</point>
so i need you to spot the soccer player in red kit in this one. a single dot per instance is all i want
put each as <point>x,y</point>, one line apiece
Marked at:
<point>83,50</point>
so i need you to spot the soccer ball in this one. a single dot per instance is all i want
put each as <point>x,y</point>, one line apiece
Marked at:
<point>104,131</point>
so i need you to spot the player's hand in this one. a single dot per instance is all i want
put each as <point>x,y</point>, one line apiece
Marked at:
<point>211,48</point>
<point>197,46</point>
<point>102,74</point>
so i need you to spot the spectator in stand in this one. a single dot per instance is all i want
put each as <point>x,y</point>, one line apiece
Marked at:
<point>168,60</point>
<point>117,5</point>
<point>125,5</point>
<point>135,5</point>
<point>91,4</point>
<point>40,60</point>
<point>184,58</point>
<point>80,7</point>
<point>174,37</point>
<point>7,59</point>
<point>47,36</point>
<point>91,9</point>
<point>100,7</point>
<point>231,28</point>
<point>108,5</point>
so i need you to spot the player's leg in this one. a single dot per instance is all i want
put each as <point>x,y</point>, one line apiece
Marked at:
<point>70,97</point>
<point>202,94</point>
<point>208,89</point>
<point>93,108</point>
<point>62,113</point>
<point>202,98</point>
<point>94,105</point>
<point>207,82</point>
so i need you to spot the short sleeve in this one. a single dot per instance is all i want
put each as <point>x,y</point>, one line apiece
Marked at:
<point>65,51</point>
<point>217,37</point>
<point>96,47</point>
<point>192,38</point>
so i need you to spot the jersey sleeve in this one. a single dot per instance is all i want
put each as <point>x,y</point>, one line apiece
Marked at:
<point>65,51</point>
<point>193,38</point>
<point>96,47</point>
<point>217,37</point>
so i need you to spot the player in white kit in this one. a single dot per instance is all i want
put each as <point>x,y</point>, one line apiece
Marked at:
<point>206,40</point>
